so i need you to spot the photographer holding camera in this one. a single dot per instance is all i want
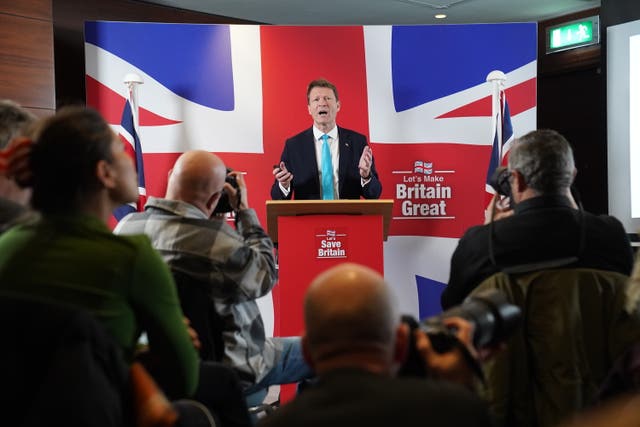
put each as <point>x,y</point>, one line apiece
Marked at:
<point>546,225</point>
<point>356,342</point>
<point>501,205</point>
<point>233,266</point>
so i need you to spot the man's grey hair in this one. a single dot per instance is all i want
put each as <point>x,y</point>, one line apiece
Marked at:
<point>545,160</point>
<point>14,121</point>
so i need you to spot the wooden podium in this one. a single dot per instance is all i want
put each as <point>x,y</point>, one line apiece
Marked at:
<point>313,235</point>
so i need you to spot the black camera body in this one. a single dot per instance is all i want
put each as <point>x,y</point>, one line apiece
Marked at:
<point>499,181</point>
<point>224,205</point>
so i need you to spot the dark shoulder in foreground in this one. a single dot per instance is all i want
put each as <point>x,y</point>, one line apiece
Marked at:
<point>403,402</point>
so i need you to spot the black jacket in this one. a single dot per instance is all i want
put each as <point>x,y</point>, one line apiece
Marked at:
<point>353,397</point>
<point>542,228</point>
<point>59,367</point>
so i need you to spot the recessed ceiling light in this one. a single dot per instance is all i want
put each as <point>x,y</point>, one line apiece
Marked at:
<point>440,16</point>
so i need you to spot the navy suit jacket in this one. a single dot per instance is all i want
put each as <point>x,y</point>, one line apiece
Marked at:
<point>299,156</point>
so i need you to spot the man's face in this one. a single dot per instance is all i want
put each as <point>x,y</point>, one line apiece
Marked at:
<point>323,107</point>
<point>126,187</point>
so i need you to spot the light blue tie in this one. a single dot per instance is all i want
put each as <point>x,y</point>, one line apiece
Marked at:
<point>327,170</point>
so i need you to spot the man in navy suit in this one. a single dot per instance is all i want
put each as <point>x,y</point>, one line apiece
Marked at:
<point>299,174</point>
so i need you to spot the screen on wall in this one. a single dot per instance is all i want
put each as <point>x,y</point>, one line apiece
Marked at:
<point>623,122</point>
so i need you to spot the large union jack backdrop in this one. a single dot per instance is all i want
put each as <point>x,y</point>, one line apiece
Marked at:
<point>418,92</point>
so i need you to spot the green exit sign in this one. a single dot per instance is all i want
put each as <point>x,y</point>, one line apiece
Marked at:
<point>573,34</point>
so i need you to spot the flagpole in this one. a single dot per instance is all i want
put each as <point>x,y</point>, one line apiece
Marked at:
<point>132,81</point>
<point>497,79</point>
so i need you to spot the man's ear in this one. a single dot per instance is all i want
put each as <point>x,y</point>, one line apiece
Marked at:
<point>212,202</point>
<point>338,106</point>
<point>519,183</point>
<point>306,353</point>
<point>401,346</point>
<point>104,173</point>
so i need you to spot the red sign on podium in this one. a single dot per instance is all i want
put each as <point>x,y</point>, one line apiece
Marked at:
<point>315,235</point>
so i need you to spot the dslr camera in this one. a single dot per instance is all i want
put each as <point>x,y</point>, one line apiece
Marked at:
<point>493,317</point>
<point>499,181</point>
<point>224,205</point>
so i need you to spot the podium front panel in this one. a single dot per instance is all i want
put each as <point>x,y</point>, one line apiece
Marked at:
<point>310,244</point>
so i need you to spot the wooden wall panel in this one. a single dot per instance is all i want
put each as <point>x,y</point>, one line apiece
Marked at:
<point>26,52</point>
<point>37,9</point>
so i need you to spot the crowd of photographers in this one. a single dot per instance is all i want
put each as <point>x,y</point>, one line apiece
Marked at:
<point>360,361</point>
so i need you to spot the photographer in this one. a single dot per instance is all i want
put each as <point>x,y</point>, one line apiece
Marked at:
<point>545,226</point>
<point>355,342</point>
<point>501,205</point>
<point>234,266</point>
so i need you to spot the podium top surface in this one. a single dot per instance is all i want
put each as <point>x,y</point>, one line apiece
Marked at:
<point>277,208</point>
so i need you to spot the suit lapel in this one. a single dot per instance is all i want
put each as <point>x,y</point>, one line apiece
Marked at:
<point>309,153</point>
<point>344,141</point>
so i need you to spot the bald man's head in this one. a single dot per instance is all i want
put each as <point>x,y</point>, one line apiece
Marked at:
<point>197,178</point>
<point>349,309</point>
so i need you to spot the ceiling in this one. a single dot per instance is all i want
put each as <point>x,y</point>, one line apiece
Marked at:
<point>381,12</point>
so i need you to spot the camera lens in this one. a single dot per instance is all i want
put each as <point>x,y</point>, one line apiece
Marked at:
<point>493,317</point>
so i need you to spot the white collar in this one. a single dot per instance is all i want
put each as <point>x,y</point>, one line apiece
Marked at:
<point>333,133</point>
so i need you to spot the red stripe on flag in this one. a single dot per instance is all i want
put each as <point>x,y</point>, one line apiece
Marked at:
<point>522,97</point>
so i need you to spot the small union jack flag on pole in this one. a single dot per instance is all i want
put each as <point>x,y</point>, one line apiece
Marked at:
<point>129,135</point>
<point>502,129</point>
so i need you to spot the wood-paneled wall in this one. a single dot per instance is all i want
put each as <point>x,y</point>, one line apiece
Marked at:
<point>26,54</point>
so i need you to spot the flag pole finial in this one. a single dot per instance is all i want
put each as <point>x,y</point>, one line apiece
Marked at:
<point>496,76</point>
<point>132,78</point>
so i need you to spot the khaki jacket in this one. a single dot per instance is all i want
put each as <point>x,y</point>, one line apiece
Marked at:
<point>576,322</point>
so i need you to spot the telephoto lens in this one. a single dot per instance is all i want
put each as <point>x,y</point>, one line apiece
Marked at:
<point>493,317</point>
